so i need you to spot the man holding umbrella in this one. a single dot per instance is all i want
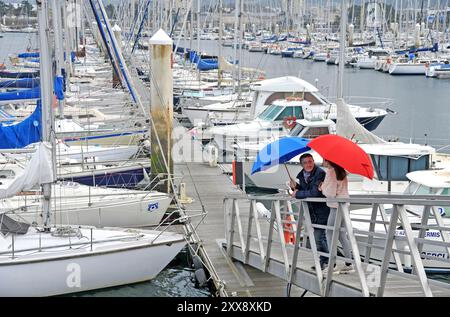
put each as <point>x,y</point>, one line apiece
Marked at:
<point>309,180</point>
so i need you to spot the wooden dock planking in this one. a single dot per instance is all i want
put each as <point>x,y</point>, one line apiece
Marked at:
<point>211,186</point>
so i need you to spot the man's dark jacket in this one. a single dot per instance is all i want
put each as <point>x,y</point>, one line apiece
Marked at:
<point>305,189</point>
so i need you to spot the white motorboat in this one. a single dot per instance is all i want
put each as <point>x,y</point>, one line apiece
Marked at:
<point>266,91</point>
<point>428,182</point>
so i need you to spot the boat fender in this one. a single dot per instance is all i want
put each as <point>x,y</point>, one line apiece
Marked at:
<point>197,262</point>
<point>200,276</point>
<point>263,212</point>
<point>213,155</point>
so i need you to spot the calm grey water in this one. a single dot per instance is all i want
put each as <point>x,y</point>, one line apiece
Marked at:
<point>423,104</point>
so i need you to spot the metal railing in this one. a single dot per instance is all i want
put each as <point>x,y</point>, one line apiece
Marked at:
<point>290,218</point>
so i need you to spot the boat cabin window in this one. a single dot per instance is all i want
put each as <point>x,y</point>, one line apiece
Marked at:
<point>7,174</point>
<point>315,132</point>
<point>289,112</point>
<point>311,98</point>
<point>281,95</point>
<point>395,168</point>
<point>270,113</point>
<point>296,130</point>
<point>378,53</point>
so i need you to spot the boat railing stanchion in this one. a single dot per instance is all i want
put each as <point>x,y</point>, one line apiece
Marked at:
<point>89,203</point>
<point>91,239</point>
<point>12,245</point>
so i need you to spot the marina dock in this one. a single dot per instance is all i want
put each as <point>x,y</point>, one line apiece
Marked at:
<point>243,271</point>
<point>208,186</point>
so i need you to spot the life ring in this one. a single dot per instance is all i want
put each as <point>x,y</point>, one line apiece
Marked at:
<point>289,122</point>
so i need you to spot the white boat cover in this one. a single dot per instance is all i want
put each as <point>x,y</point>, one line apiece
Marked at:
<point>39,170</point>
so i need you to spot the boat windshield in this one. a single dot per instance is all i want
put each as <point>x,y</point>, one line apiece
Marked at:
<point>280,113</point>
<point>270,113</point>
<point>411,188</point>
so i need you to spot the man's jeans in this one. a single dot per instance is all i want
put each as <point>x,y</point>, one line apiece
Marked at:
<point>322,246</point>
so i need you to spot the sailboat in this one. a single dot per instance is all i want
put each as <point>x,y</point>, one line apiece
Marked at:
<point>54,259</point>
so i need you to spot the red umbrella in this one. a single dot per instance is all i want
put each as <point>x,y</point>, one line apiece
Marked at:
<point>343,152</point>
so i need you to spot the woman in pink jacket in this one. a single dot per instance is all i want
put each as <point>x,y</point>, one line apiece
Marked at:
<point>335,185</point>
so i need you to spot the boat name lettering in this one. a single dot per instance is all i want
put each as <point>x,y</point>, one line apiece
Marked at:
<point>153,206</point>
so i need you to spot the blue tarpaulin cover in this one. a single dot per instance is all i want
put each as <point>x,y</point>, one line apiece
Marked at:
<point>23,133</point>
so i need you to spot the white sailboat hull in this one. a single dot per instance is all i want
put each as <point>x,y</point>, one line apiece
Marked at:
<point>407,69</point>
<point>55,272</point>
<point>226,116</point>
<point>111,212</point>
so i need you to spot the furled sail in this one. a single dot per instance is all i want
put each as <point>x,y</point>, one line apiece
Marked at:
<point>38,171</point>
<point>348,127</point>
<point>225,65</point>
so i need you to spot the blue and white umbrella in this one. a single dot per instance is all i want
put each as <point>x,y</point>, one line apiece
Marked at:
<point>279,152</point>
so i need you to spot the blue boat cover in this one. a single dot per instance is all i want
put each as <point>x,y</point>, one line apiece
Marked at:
<point>8,74</point>
<point>28,54</point>
<point>33,93</point>
<point>20,83</point>
<point>23,133</point>
<point>58,87</point>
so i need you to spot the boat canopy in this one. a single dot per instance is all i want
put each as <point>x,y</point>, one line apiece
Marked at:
<point>9,225</point>
<point>23,133</point>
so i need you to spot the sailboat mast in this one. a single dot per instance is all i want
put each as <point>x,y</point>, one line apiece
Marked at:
<point>237,9</point>
<point>57,27</point>
<point>219,73</point>
<point>340,85</point>
<point>46,84</point>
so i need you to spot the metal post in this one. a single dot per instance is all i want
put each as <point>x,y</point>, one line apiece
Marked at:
<point>231,230</point>
<point>239,224</point>
<point>340,83</point>
<point>395,255</point>
<point>46,99</point>
<point>420,271</point>
<point>373,218</point>
<point>13,244</point>
<point>388,250</point>
<point>312,241</point>
<point>281,236</point>
<point>333,252</point>
<point>422,231</point>
<point>269,239</point>
<point>343,208</point>
<point>297,244</point>
<point>162,104</point>
<point>251,216</point>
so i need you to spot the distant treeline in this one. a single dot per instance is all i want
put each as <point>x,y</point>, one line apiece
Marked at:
<point>23,8</point>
